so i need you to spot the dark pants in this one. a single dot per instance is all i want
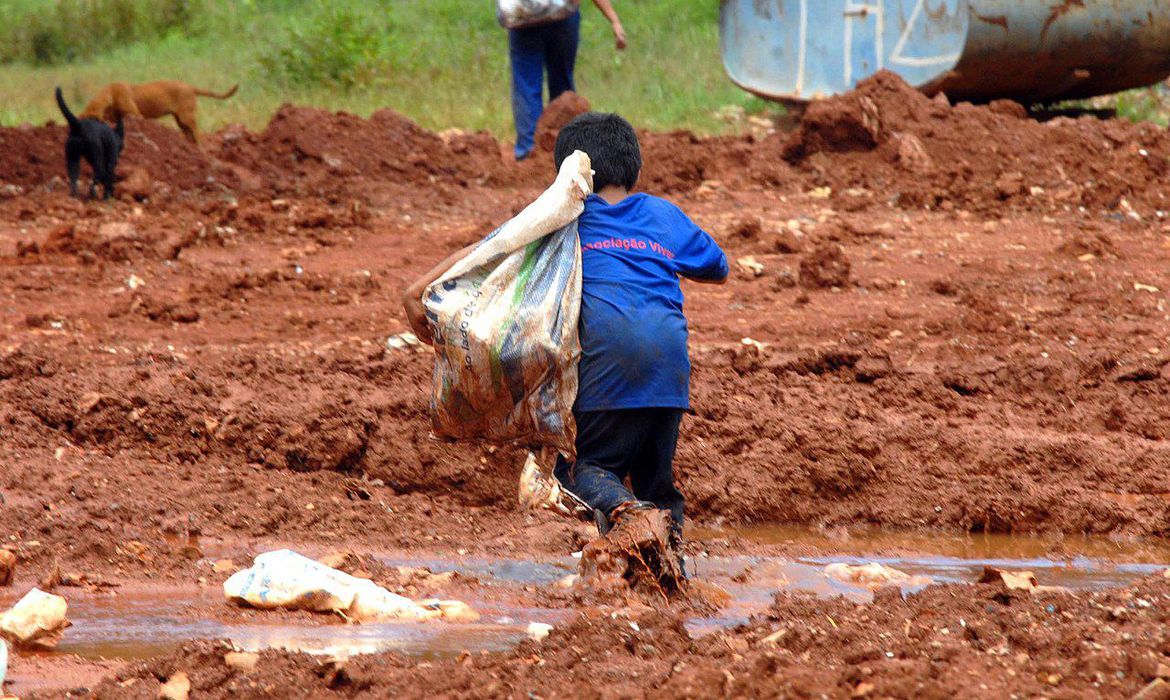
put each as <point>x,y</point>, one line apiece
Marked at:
<point>532,50</point>
<point>636,443</point>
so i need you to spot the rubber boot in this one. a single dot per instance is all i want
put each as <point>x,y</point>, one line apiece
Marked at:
<point>605,522</point>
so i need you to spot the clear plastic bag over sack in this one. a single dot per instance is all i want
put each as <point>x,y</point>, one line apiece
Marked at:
<point>505,324</point>
<point>514,14</point>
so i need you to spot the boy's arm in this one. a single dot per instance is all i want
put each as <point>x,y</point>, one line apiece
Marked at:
<point>416,314</point>
<point>699,257</point>
<point>619,33</point>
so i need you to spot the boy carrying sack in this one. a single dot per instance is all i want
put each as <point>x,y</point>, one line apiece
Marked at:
<point>634,369</point>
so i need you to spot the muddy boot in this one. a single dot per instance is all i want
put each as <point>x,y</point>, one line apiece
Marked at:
<point>634,556</point>
<point>676,545</point>
<point>605,522</point>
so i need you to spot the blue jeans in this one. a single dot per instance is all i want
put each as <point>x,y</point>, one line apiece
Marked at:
<point>637,443</point>
<point>532,50</point>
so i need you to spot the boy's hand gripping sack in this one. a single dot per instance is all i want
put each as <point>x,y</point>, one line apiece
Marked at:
<point>505,324</point>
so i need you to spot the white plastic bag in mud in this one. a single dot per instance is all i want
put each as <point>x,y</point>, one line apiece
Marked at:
<point>37,621</point>
<point>514,14</point>
<point>285,579</point>
<point>505,324</point>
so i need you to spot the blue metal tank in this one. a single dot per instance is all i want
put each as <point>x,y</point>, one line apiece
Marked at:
<point>1026,50</point>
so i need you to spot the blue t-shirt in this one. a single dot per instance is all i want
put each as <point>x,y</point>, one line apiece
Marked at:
<point>633,332</point>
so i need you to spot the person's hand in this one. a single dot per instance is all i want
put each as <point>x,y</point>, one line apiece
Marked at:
<point>619,35</point>
<point>416,316</point>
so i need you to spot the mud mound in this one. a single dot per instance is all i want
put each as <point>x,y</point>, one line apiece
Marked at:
<point>680,161</point>
<point>888,137</point>
<point>304,144</point>
<point>826,266</point>
<point>34,156</point>
<point>164,154</point>
<point>556,115</point>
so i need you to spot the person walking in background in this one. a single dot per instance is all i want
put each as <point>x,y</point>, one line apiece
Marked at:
<point>543,35</point>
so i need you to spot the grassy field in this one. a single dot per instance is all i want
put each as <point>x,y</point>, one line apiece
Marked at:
<point>441,62</point>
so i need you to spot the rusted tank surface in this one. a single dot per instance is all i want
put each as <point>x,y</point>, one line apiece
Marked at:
<point>1026,50</point>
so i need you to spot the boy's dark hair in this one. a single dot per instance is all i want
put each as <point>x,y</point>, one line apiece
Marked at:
<point>610,143</point>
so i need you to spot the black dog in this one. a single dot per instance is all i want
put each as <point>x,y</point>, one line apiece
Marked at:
<point>94,140</point>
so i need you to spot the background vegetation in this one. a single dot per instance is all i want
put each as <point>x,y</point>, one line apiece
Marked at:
<point>442,62</point>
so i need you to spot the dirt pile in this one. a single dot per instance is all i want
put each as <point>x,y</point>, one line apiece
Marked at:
<point>304,146</point>
<point>555,116</point>
<point>888,137</point>
<point>32,156</point>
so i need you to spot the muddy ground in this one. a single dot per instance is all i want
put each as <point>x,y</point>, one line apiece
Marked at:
<point>961,325</point>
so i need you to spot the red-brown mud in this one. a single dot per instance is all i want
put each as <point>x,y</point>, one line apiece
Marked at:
<point>980,641</point>
<point>206,355</point>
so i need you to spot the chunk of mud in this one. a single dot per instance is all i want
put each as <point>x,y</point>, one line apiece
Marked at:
<point>1008,108</point>
<point>870,369</point>
<point>636,556</point>
<point>1009,185</point>
<point>826,266</point>
<point>749,228</point>
<point>1097,245</point>
<point>556,115</point>
<point>911,155</point>
<point>137,184</point>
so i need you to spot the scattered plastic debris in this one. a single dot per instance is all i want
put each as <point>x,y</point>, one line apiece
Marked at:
<point>285,579</point>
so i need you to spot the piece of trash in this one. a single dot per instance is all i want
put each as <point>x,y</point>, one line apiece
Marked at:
<point>403,341</point>
<point>242,661</point>
<point>285,579</point>
<point>755,345</point>
<point>3,661</point>
<point>537,631</point>
<point>874,575</point>
<point>134,282</point>
<point>177,687</point>
<point>774,637</point>
<point>1015,580</point>
<point>1138,286</point>
<point>540,490</point>
<point>1156,689</point>
<point>820,192</point>
<point>750,266</point>
<point>36,621</point>
<point>567,582</point>
<point>451,610</point>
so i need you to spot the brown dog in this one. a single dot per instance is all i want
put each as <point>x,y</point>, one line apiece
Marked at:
<point>152,100</point>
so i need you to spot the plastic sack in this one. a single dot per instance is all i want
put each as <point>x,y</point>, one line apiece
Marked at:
<point>514,14</point>
<point>505,324</point>
<point>37,621</point>
<point>285,579</point>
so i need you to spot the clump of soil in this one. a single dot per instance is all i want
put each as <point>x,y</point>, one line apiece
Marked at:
<point>556,115</point>
<point>826,266</point>
<point>1099,245</point>
<point>636,556</point>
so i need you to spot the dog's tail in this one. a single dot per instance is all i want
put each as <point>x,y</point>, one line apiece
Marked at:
<point>73,122</point>
<point>217,95</point>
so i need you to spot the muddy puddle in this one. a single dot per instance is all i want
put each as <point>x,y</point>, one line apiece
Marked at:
<point>132,625</point>
<point>138,626</point>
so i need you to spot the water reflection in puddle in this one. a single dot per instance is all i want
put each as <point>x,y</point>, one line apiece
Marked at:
<point>140,626</point>
<point>129,626</point>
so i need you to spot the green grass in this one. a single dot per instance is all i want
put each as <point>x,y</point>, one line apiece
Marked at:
<point>443,63</point>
